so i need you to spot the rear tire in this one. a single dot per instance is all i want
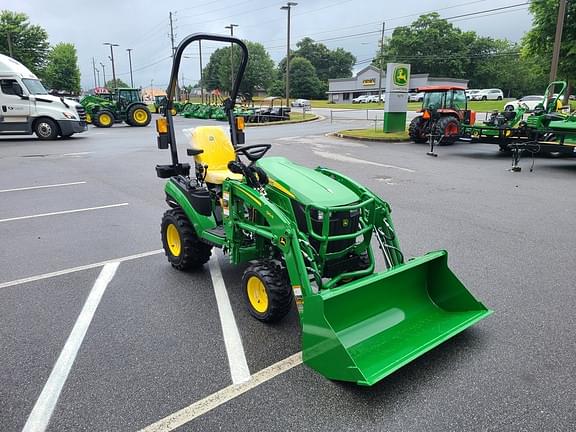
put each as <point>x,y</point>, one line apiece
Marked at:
<point>499,98</point>
<point>416,130</point>
<point>181,245</point>
<point>46,129</point>
<point>449,129</point>
<point>267,291</point>
<point>484,98</point>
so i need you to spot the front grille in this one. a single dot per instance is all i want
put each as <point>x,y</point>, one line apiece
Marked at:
<point>341,222</point>
<point>81,112</point>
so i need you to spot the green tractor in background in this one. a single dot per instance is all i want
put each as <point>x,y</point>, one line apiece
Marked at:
<point>306,238</point>
<point>122,105</point>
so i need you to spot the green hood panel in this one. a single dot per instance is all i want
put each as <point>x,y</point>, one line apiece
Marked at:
<point>307,185</point>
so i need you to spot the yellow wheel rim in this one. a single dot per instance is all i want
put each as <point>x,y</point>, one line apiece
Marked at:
<point>105,119</point>
<point>88,118</point>
<point>257,294</point>
<point>173,240</point>
<point>173,111</point>
<point>140,116</point>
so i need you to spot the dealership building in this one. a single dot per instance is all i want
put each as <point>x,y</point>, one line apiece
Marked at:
<point>366,81</point>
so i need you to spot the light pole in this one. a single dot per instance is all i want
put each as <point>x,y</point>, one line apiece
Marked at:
<point>130,61</point>
<point>152,89</point>
<point>112,45</point>
<point>287,8</point>
<point>103,73</point>
<point>231,27</point>
<point>98,74</point>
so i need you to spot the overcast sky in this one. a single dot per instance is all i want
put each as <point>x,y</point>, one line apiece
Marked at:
<point>144,26</point>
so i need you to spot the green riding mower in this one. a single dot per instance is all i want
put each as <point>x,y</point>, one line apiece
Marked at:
<point>306,238</point>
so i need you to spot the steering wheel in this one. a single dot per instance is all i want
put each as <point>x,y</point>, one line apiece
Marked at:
<point>253,151</point>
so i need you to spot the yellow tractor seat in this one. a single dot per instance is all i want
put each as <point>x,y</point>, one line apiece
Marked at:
<point>218,151</point>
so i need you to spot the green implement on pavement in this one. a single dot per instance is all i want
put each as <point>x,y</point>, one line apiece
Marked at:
<point>306,237</point>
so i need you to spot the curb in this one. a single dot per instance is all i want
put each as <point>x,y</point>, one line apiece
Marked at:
<point>289,122</point>
<point>339,135</point>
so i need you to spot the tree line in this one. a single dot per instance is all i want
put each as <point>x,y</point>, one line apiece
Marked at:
<point>57,66</point>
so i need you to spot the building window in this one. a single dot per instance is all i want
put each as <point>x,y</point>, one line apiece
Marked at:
<point>346,96</point>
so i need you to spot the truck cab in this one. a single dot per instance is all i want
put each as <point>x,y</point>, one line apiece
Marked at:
<point>26,108</point>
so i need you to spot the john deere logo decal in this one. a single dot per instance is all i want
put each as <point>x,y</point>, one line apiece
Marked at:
<point>401,76</point>
<point>345,222</point>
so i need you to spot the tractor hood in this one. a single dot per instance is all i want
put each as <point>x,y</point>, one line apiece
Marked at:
<point>306,185</point>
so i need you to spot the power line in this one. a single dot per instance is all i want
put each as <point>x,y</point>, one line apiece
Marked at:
<point>475,14</point>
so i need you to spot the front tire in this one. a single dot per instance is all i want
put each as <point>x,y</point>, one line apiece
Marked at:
<point>139,116</point>
<point>416,130</point>
<point>267,291</point>
<point>103,119</point>
<point>46,129</point>
<point>182,246</point>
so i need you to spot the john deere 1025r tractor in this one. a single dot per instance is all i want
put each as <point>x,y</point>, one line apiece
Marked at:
<point>305,235</point>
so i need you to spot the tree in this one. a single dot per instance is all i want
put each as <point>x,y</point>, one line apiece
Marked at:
<point>118,83</point>
<point>539,41</point>
<point>328,63</point>
<point>259,71</point>
<point>303,80</point>
<point>62,72</point>
<point>29,42</point>
<point>431,45</point>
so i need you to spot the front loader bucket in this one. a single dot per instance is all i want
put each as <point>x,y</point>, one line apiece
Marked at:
<point>368,328</point>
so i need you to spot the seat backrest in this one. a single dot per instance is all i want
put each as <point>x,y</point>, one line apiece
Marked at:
<point>215,142</point>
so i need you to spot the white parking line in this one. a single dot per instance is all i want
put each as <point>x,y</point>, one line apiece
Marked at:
<point>344,158</point>
<point>195,410</point>
<point>77,269</point>
<point>77,153</point>
<point>234,349</point>
<point>63,212</point>
<point>44,407</point>
<point>42,187</point>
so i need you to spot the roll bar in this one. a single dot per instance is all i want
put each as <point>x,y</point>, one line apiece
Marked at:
<point>169,138</point>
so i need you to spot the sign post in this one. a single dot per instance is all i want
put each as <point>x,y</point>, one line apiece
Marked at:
<point>396,102</point>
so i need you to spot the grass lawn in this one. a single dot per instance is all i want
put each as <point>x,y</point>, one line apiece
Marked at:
<point>375,134</point>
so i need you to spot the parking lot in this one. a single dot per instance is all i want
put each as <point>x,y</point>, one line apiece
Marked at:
<point>99,333</point>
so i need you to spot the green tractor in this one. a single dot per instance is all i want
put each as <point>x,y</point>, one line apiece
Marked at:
<point>306,238</point>
<point>122,105</point>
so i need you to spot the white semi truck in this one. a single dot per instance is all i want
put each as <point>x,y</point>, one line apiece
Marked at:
<point>27,108</point>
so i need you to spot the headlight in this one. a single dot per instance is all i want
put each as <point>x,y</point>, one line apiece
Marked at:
<point>69,115</point>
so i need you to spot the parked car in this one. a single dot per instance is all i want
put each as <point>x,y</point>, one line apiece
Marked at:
<point>301,103</point>
<point>360,99</point>
<point>374,99</point>
<point>416,97</point>
<point>488,94</point>
<point>471,92</point>
<point>530,101</point>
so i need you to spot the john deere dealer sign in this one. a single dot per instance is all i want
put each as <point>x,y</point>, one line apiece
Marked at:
<point>397,85</point>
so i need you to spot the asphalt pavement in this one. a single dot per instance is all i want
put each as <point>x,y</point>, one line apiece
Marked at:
<point>155,345</point>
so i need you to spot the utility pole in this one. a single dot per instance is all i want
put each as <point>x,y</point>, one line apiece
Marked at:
<point>103,73</point>
<point>98,74</point>
<point>9,44</point>
<point>557,40</point>
<point>152,90</point>
<point>112,45</point>
<point>94,70</point>
<point>231,27</point>
<point>201,76</point>
<point>130,61</point>
<point>173,50</point>
<point>287,8</point>
<point>381,62</point>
